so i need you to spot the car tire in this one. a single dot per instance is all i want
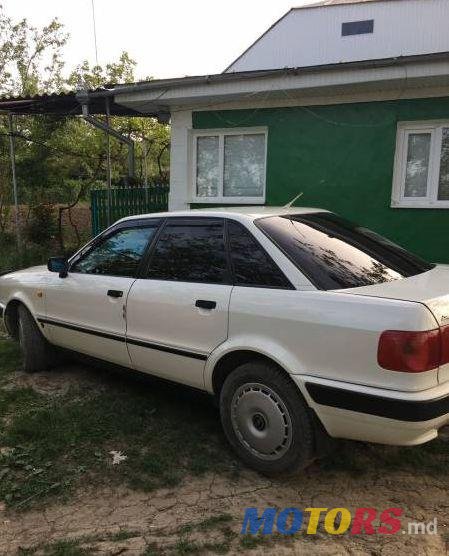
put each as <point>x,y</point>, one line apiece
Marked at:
<point>266,420</point>
<point>36,351</point>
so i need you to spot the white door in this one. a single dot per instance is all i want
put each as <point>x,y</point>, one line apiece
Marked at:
<point>178,314</point>
<point>85,311</point>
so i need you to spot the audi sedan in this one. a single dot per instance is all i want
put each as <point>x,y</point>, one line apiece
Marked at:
<point>303,325</point>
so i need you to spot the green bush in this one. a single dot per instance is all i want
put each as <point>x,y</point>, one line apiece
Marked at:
<point>30,254</point>
<point>13,259</point>
<point>41,226</point>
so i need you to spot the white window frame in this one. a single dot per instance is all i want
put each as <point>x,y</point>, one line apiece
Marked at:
<point>221,133</point>
<point>404,129</point>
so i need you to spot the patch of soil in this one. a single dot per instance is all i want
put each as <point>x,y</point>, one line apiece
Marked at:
<point>57,382</point>
<point>121,521</point>
<point>156,518</point>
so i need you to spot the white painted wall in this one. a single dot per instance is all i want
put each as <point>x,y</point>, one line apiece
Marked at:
<point>312,36</point>
<point>181,126</point>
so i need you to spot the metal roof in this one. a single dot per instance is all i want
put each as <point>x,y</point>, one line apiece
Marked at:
<point>158,84</point>
<point>69,103</point>
<point>309,34</point>
<point>63,104</point>
<point>322,3</point>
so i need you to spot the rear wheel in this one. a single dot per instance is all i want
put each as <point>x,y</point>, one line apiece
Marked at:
<point>36,351</point>
<point>266,419</point>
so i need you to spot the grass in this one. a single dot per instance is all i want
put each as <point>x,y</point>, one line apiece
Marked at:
<point>51,445</point>
<point>54,443</point>
<point>358,458</point>
<point>207,524</point>
<point>184,545</point>
<point>59,548</point>
<point>152,550</point>
<point>218,523</point>
<point>74,547</point>
<point>248,542</point>
<point>124,535</point>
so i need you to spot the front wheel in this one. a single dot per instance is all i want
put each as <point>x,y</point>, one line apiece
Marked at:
<point>266,420</point>
<point>36,351</point>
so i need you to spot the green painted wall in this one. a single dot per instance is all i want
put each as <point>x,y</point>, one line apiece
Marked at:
<point>341,158</point>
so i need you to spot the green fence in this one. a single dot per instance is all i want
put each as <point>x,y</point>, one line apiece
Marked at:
<point>126,201</point>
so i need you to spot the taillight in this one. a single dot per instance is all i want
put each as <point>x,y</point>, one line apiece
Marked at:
<point>410,352</point>
<point>444,345</point>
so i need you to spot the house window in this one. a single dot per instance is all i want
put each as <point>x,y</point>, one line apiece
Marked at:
<point>229,165</point>
<point>421,173</point>
<point>357,27</point>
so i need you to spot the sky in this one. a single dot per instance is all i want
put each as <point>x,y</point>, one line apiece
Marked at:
<point>167,38</point>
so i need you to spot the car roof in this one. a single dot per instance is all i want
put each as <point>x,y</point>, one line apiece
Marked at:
<point>247,212</point>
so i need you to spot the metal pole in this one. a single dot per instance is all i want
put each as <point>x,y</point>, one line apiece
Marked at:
<point>145,170</point>
<point>131,161</point>
<point>109,173</point>
<point>14,179</point>
<point>95,32</point>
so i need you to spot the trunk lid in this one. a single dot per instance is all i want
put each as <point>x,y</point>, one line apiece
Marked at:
<point>430,288</point>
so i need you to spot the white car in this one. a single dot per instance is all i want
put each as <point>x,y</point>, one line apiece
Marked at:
<point>301,324</point>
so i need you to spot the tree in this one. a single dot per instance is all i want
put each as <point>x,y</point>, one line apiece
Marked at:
<point>30,63</point>
<point>151,138</point>
<point>30,58</point>
<point>60,158</point>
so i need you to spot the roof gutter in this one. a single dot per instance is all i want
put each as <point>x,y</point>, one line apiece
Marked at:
<point>245,75</point>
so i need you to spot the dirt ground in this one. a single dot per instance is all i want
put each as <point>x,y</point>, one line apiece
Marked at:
<point>180,520</point>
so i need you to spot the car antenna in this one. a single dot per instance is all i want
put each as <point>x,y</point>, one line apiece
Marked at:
<point>288,205</point>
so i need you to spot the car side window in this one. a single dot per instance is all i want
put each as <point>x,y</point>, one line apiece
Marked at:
<point>117,255</point>
<point>251,264</point>
<point>190,250</point>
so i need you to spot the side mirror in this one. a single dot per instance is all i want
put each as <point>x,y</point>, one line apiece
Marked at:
<point>58,264</point>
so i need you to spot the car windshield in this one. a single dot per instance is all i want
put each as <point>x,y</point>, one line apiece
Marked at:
<point>335,253</point>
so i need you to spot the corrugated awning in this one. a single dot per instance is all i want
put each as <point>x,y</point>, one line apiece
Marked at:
<point>64,104</point>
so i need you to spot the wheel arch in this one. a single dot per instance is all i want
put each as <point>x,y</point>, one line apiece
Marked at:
<point>11,318</point>
<point>233,359</point>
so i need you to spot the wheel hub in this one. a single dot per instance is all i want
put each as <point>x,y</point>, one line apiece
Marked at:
<point>261,421</point>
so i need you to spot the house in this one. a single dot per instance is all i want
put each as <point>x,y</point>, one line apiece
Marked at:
<point>345,102</point>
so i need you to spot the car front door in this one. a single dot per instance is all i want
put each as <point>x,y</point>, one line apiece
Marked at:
<point>177,312</point>
<point>85,311</point>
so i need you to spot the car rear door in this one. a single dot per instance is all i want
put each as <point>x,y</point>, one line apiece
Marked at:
<point>85,311</point>
<point>177,312</point>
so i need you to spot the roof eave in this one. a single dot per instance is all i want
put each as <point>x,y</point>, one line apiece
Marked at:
<point>407,70</point>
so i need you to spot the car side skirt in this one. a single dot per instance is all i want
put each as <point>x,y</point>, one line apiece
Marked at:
<point>141,343</point>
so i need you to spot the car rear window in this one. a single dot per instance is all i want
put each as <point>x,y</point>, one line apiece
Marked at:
<point>334,253</point>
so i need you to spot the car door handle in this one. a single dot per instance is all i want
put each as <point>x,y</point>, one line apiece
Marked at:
<point>115,293</point>
<point>205,304</point>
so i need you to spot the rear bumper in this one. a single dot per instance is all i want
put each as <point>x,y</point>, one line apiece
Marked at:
<point>375,415</point>
<point>380,406</point>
